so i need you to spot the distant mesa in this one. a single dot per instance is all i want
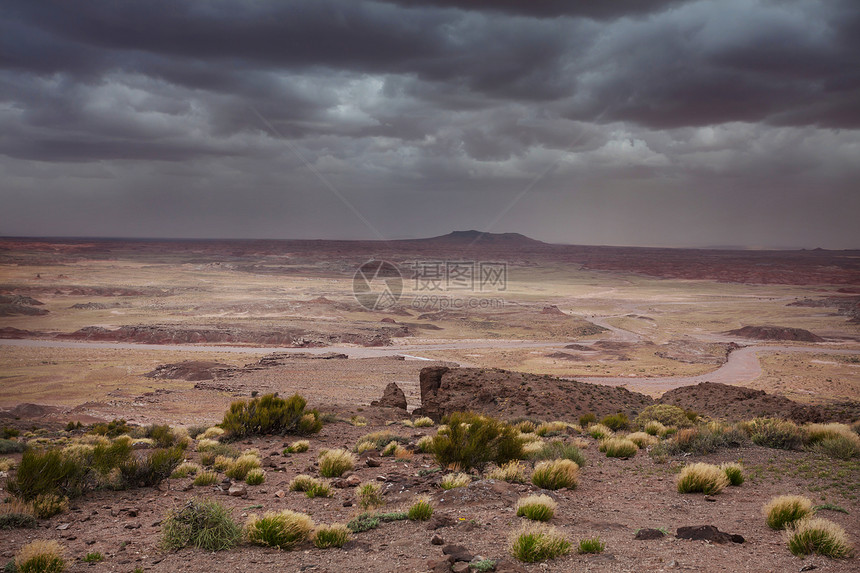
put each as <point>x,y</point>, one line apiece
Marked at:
<point>13,305</point>
<point>554,310</point>
<point>484,239</point>
<point>776,333</point>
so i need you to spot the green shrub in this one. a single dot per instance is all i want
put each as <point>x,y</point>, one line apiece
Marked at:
<point>205,478</point>
<point>618,448</point>
<point>616,422</point>
<point>8,432</point>
<point>591,545</point>
<point>363,522</point>
<point>775,433</point>
<point>40,556</point>
<point>48,472</point>
<point>93,557</point>
<point>284,529</point>
<point>162,435</point>
<point>816,535</point>
<point>112,429</point>
<point>666,414</point>
<point>421,510</point>
<point>270,414</point>
<point>154,468</point>
<point>700,477</point>
<point>471,440</point>
<point>556,474</point>
<point>784,510</point>
<point>369,495</point>
<point>512,472</point>
<point>735,473</point>
<point>556,449</point>
<point>203,524</point>
<point>334,463</point>
<point>705,440</point>
<point>586,419</point>
<point>536,507</point>
<point>11,446</point>
<point>325,537</point>
<point>46,505</point>
<point>839,447</point>
<point>451,481</point>
<point>533,543</point>
<point>17,521</point>
<point>483,565</point>
<point>255,477</point>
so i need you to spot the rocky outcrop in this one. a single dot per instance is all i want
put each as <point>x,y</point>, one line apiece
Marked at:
<point>392,397</point>
<point>776,333</point>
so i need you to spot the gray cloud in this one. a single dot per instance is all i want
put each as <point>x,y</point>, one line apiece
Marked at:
<point>430,115</point>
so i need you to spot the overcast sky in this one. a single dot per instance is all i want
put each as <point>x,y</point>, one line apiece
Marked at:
<point>630,122</point>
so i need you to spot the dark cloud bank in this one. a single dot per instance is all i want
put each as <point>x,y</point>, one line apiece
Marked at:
<point>652,122</point>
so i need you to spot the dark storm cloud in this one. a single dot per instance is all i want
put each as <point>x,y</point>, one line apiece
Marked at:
<point>400,100</point>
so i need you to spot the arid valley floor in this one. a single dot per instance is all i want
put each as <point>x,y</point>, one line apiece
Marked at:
<point>172,332</point>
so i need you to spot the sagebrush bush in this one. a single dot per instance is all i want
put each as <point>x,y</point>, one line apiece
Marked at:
<point>556,449</point>
<point>616,422</point>
<point>270,414</point>
<point>599,431</point>
<point>450,481</point>
<point>284,529</point>
<point>512,472</point>
<point>784,510</point>
<point>334,463</point>
<point>618,448</point>
<point>700,477</point>
<point>735,473</point>
<point>587,419</point>
<point>535,542</point>
<point>421,510</point>
<point>18,521</point>
<point>205,478</point>
<point>255,476</point>
<point>775,433</point>
<point>666,414</point>
<point>239,468</point>
<point>643,439</point>
<point>536,507</point>
<point>40,556</point>
<point>705,440</point>
<point>203,524</point>
<point>327,536</point>
<point>821,536</point>
<point>472,441</point>
<point>556,474</point>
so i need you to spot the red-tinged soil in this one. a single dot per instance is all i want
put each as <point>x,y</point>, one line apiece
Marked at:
<point>614,499</point>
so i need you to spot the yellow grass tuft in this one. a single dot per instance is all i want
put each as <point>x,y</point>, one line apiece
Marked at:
<point>784,510</point>
<point>700,477</point>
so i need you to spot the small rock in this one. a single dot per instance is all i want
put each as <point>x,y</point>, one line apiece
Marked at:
<point>648,533</point>
<point>347,503</point>
<point>439,566</point>
<point>132,526</point>
<point>63,526</point>
<point>186,487</point>
<point>458,552</point>
<point>708,533</point>
<point>710,499</point>
<point>460,567</point>
<point>809,567</point>
<point>437,540</point>
<point>381,478</point>
<point>237,490</point>
<point>280,493</point>
<point>372,462</point>
<point>353,480</point>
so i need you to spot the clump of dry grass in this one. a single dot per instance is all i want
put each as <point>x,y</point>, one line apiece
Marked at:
<point>512,472</point>
<point>536,542</point>
<point>701,477</point>
<point>816,535</point>
<point>734,471</point>
<point>536,507</point>
<point>284,529</point>
<point>784,510</point>
<point>401,453</point>
<point>618,448</point>
<point>185,469</point>
<point>550,428</point>
<point>643,439</point>
<point>40,556</point>
<point>211,433</point>
<point>327,536</point>
<point>424,444</point>
<point>205,478</point>
<point>297,447</point>
<point>369,495</point>
<point>556,474</point>
<point>334,463</point>
<point>255,477</point>
<point>238,469</point>
<point>654,428</point>
<point>450,481</point>
<point>599,431</point>
<point>423,422</point>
